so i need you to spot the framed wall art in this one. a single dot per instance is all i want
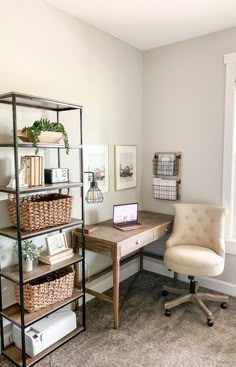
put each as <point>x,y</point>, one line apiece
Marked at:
<point>96,160</point>
<point>56,243</point>
<point>125,167</point>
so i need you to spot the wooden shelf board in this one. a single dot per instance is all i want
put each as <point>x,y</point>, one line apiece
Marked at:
<point>27,100</point>
<point>12,272</point>
<point>15,354</point>
<point>45,187</point>
<point>12,313</point>
<point>11,232</point>
<point>40,145</point>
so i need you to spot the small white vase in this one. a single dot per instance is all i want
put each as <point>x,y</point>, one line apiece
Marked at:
<point>27,266</point>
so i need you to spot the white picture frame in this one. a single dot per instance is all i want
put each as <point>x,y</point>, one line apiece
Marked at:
<point>96,159</point>
<point>125,166</point>
<point>56,243</point>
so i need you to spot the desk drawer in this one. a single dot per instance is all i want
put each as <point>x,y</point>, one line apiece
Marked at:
<point>135,243</point>
<point>161,231</point>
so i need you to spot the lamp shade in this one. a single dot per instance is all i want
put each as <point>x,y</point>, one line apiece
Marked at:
<point>94,194</point>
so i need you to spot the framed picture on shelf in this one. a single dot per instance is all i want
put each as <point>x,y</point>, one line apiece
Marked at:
<point>125,167</point>
<point>96,160</point>
<point>56,243</point>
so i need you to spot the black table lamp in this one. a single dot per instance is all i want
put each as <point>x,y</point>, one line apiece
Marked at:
<point>94,194</point>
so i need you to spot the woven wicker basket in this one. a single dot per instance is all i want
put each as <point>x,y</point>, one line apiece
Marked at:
<point>41,211</point>
<point>55,288</point>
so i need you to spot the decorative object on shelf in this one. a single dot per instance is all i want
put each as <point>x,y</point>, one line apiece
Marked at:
<point>41,211</point>
<point>56,243</point>
<point>46,291</point>
<point>46,258</point>
<point>125,167</point>
<point>167,176</point>
<point>29,252</point>
<point>96,161</point>
<point>45,131</point>
<point>33,165</point>
<point>22,179</point>
<point>94,194</point>
<point>45,137</point>
<point>55,175</point>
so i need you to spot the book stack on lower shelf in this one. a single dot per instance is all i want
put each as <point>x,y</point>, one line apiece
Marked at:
<point>54,259</point>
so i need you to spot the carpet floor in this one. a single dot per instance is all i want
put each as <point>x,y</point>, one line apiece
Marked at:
<point>147,338</point>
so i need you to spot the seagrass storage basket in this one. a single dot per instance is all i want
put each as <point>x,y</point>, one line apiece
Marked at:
<point>50,290</point>
<point>41,211</point>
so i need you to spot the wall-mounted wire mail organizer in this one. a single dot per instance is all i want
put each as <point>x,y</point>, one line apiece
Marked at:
<point>167,176</point>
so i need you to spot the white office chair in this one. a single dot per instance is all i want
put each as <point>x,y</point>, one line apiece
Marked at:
<point>196,248</point>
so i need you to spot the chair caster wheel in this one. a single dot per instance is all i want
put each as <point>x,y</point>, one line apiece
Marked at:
<point>210,322</point>
<point>223,305</point>
<point>168,313</point>
<point>164,293</point>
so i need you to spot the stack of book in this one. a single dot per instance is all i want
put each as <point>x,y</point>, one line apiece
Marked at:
<point>54,259</point>
<point>33,165</point>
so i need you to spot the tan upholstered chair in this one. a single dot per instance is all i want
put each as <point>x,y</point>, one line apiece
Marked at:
<point>196,248</point>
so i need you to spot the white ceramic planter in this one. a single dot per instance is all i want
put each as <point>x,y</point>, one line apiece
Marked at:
<point>44,137</point>
<point>27,266</point>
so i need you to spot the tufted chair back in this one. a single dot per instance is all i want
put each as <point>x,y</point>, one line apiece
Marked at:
<point>200,225</point>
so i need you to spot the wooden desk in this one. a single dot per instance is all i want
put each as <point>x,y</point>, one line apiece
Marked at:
<point>109,241</point>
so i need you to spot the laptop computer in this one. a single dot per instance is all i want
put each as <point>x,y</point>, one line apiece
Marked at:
<point>125,217</point>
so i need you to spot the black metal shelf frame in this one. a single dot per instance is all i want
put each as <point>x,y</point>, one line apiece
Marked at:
<point>18,99</point>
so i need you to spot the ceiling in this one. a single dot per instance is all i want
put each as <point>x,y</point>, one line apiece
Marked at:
<point>147,24</point>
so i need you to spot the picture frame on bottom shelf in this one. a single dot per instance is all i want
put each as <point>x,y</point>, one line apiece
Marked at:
<point>56,243</point>
<point>125,166</point>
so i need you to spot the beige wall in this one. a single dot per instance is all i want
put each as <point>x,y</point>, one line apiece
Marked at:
<point>184,111</point>
<point>48,53</point>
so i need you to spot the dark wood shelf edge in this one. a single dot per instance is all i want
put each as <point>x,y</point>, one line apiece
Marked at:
<point>43,312</point>
<point>15,354</point>
<point>46,187</point>
<point>40,145</point>
<point>46,102</point>
<point>8,231</point>
<point>5,273</point>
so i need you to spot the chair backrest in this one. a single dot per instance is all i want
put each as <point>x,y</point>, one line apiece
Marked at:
<point>200,225</point>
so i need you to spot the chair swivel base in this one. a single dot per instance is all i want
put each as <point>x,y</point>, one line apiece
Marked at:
<point>194,297</point>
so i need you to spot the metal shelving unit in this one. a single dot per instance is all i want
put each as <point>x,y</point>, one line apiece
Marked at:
<point>15,313</point>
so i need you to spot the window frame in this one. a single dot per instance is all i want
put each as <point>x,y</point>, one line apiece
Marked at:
<point>229,160</point>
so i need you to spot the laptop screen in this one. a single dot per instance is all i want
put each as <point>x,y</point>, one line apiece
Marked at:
<point>125,213</point>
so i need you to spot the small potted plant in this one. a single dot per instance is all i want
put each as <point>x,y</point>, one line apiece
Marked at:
<point>44,131</point>
<point>30,252</point>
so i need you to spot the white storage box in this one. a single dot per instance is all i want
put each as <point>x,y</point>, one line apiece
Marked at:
<point>42,334</point>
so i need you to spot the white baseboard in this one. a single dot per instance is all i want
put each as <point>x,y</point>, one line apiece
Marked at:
<point>157,266</point>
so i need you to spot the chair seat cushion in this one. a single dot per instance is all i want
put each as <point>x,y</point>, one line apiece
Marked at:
<point>193,260</point>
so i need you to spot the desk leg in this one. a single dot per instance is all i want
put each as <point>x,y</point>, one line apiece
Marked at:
<point>116,284</point>
<point>141,260</point>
